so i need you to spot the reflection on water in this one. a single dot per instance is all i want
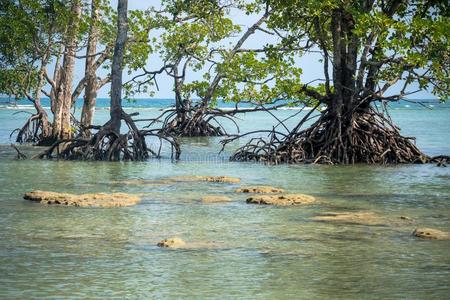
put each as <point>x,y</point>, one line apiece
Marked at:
<point>262,252</point>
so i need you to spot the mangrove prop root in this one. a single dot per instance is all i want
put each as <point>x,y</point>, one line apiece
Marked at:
<point>20,155</point>
<point>191,128</point>
<point>36,130</point>
<point>359,137</point>
<point>193,123</point>
<point>106,144</point>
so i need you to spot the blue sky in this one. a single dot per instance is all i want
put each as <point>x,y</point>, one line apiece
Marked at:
<point>312,69</point>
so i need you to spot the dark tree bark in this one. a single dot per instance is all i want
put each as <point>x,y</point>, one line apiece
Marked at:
<point>116,70</point>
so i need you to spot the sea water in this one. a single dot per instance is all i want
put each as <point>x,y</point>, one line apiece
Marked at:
<point>248,251</point>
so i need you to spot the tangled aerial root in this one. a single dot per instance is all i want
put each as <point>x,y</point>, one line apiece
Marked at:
<point>36,131</point>
<point>361,137</point>
<point>192,128</point>
<point>107,144</point>
<point>193,123</point>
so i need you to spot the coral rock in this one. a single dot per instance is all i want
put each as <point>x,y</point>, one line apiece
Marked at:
<point>287,199</point>
<point>83,200</point>
<point>432,234</point>
<point>260,190</point>
<point>173,242</point>
<point>221,179</point>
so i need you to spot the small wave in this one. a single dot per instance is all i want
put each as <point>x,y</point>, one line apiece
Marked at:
<point>19,107</point>
<point>132,108</point>
<point>280,108</point>
<point>142,108</point>
<point>295,108</point>
<point>226,108</point>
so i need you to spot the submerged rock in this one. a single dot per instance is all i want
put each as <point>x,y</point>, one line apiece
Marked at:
<point>432,234</point>
<point>287,199</point>
<point>83,200</point>
<point>361,218</point>
<point>171,180</point>
<point>173,242</point>
<point>221,179</point>
<point>177,243</point>
<point>407,219</point>
<point>215,199</point>
<point>259,189</point>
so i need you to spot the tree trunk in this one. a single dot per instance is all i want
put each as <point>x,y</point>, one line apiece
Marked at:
<point>56,79</point>
<point>338,57</point>
<point>180,105</point>
<point>37,129</point>
<point>345,52</point>
<point>61,123</point>
<point>37,102</point>
<point>117,65</point>
<point>90,92</point>
<point>46,133</point>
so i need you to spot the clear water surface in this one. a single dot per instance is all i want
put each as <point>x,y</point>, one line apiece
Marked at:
<point>243,251</point>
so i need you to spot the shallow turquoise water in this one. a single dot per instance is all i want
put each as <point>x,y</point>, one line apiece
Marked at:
<point>244,251</point>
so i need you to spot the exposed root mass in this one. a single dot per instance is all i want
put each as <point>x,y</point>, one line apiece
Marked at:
<point>106,144</point>
<point>36,130</point>
<point>361,137</point>
<point>192,128</point>
<point>193,123</point>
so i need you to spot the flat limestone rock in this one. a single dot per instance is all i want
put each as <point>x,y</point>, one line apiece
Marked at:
<point>83,200</point>
<point>259,189</point>
<point>220,179</point>
<point>361,218</point>
<point>215,199</point>
<point>173,242</point>
<point>177,243</point>
<point>432,234</point>
<point>283,200</point>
